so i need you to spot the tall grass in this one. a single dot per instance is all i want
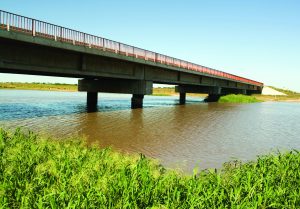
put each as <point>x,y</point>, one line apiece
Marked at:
<point>238,98</point>
<point>46,173</point>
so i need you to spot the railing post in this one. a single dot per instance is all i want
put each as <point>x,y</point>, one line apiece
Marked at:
<point>7,22</point>
<point>73,34</point>
<point>84,39</point>
<point>33,27</point>
<point>60,34</point>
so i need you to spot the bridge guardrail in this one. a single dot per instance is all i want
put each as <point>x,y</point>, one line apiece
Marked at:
<point>18,23</point>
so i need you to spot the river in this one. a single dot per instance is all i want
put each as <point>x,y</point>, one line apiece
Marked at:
<point>181,136</point>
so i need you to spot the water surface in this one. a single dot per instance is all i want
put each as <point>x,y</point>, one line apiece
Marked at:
<point>184,136</point>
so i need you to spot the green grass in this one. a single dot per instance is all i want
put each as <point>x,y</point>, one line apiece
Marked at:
<point>239,98</point>
<point>158,94</point>
<point>46,173</point>
<point>39,86</point>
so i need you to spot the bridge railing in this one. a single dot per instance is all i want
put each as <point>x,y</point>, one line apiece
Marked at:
<point>18,23</point>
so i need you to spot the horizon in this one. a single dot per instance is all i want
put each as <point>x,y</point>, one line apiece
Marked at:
<point>229,52</point>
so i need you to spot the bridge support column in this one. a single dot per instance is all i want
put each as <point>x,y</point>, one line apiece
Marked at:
<point>138,88</point>
<point>212,98</point>
<point>182,98</point>
<point>214,92</point>
<point>92,100</point>
<point>137,101</point>
<point>244,91</point>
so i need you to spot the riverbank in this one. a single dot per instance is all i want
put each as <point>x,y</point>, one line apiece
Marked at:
<point>171,92</point>
<point>74,87</point>
<point>39,173</point>
<point>290,97</point>
<point>238,98</point>
<point>39,86</point>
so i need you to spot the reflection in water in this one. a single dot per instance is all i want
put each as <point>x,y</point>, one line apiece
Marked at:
<point>196,134</point>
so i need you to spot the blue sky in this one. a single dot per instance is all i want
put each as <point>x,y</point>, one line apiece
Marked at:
<point>257,39</point>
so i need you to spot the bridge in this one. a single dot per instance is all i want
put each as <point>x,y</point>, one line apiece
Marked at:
<point>29,46</point>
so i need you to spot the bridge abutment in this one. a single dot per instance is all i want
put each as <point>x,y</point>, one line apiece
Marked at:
<point>138,88</point>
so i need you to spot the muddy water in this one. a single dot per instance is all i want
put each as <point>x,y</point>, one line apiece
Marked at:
<point>196,134</point>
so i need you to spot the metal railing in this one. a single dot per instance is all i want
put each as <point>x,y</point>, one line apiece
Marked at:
<point>18,23</point>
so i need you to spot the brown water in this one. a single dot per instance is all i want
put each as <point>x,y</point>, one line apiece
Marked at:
<point>196,134</point>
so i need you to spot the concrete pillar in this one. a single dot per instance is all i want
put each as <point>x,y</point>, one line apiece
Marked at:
<point>244,91</point>
<point>182,98</point>
<point>212,98</point>
<point>92,100</point>
<point>137,101</point>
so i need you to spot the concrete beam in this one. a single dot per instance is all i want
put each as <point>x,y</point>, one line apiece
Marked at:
<point>249,92</point>
<point>124,86</point>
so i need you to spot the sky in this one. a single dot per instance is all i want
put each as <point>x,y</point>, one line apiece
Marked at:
<point>257,39</point>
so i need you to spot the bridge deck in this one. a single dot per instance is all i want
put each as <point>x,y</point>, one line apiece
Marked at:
<point>36,28</point>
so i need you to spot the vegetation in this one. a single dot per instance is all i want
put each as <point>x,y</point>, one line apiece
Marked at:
<point>291,95</point>
<point>47,173</point>
<point>286,91</point>
<point>39,86</point>
<point>170,91</point>
<point>239,98</point>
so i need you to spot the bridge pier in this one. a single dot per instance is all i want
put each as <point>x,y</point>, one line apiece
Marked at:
<point>182,98</point>
<point>214,92</point>
<point>212,98</point>
<point>92,100</point>
<point>138,88</point>
<point>137,101</point>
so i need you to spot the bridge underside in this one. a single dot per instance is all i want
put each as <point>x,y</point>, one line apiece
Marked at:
<point>105,72</point>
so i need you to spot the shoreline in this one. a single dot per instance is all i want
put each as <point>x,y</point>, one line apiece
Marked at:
<point>25,89</point>
<point>156,91</point>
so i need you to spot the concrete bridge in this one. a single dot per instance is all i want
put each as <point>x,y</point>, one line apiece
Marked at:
<point>29,46</point>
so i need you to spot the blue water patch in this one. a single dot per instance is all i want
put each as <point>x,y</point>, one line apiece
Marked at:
<point>18,104</point>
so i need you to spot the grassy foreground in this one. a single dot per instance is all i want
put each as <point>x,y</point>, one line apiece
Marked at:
<point>239,98</point>
<point>46,173</point>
